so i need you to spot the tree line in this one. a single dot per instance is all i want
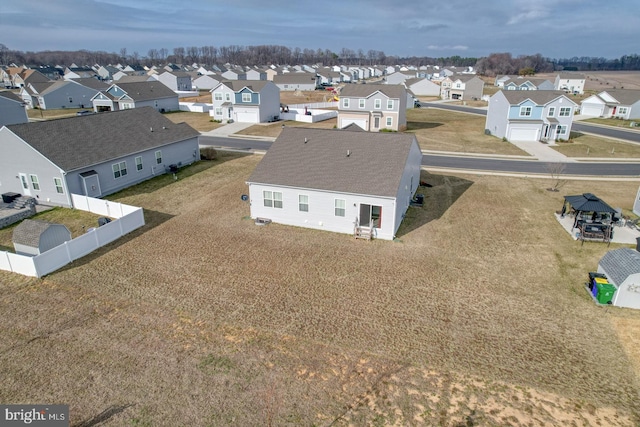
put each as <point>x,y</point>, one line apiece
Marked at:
<point>495,63</point>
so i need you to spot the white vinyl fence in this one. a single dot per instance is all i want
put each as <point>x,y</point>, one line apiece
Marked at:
<point>127,219</point>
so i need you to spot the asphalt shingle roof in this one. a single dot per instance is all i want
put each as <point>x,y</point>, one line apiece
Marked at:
<point>374,165</point>
<point>28,232</point>
<point>78,142</point>
<point>145,91</point>
<point>363,91</point>
<point>620,264</point>
<point>540,97</point>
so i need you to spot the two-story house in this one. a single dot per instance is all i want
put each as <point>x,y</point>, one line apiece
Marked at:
<point>570,82</point>
<point>12,109</point>
<point>537,115</point>
<point>246,101</point>
<point>525,83</point>
<point>462,86</point>
<point>373,107</point>
<point>177,81</point>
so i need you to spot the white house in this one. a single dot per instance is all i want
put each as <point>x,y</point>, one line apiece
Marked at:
<point>246,101</point>
<point>422,87</point>
<point>613,103</point>
<point>337,180</point>
<point>622,268</point>
<point>570,82</point>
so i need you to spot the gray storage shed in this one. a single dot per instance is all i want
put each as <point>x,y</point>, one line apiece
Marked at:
<point>622,268</point>
<point>33,237</point>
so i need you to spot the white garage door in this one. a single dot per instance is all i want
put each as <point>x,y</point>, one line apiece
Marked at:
<point>523,134</point>
<point>360,122</point>
<point>247,116</point>
<point>591,110</point>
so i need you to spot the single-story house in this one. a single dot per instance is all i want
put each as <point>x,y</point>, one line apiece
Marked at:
<point>296,81</point>
<point>122,96</point>
<point>622,268</point>
<point>337,180</point>
<point>58,94</point>
<point>12,109</point>
<point>33,237</point>
<point>92,155</point>
<point>422,87</point>
<point>613,103</point>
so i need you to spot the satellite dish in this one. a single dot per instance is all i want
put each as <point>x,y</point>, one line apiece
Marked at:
<point>244,197</point>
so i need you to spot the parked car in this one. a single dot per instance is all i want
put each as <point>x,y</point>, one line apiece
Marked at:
<point>84,113</point>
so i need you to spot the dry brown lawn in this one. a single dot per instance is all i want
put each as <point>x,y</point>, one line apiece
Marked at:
<point>201,122</point>
<point>612,122</point>
<point>477,315</point>
<point>585,146</point>
<point>33,113</point>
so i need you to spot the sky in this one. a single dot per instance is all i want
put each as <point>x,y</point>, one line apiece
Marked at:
<point>468,28</point>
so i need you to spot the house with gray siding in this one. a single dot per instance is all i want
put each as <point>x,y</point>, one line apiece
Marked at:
<point>337,180</point>
<point>58,94</point>
<point>296,81</point>
<point>530,115</point>
<point>245,101</point>
<point>122,96</point>
<point>12,109</point>
<point>177,81</point>
<point>92,155</point>
<point>524,83</point>
<point>422,87</point>
<point>373,107</point>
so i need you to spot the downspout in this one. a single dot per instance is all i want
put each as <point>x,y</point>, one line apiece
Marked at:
<point>66,189</point>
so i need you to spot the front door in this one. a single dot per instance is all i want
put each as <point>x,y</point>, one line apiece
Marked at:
<point>25,184</point>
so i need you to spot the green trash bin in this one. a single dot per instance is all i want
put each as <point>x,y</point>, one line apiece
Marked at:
<point>605,293</point>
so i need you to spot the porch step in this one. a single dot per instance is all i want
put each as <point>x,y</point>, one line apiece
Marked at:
<point>363,233</point>
<point>22,202</point>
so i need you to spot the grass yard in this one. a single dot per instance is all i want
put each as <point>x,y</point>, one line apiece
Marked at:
<point>613,122</point>
<point>199,121</point>
<point>476,316</point>
<point>444,130</point>
<point>34,113</point>
<point>585,145</point>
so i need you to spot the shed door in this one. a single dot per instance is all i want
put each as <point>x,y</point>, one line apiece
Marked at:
<point>91,185</point>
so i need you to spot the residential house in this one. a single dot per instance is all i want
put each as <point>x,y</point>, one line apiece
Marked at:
<point>106,72</point>
<point>296,81</point>
<point>256,74</point>
<point>271,72</point>
<point>12,109</point>
<point>328,77</point>
<point>373,107</point>
<point>177,81</point>
<point>501,78</point>
<point>51,73</point>
<point>525,83</point>
<point>536,115</point>
<point>57,94</point>
<point>92,155</point>
<point>613,103</point>
<point>79,72</point>
<point>570,82</point>
<point>246,101</point>
<point>207,82</point>
<point>462,86</point>
<point>399,77</point>
<point>122,96</point>
<point>422,87</point>
<point>337,180</point>
<point>92,83</point>
<point>25,76</point>
<point>234,74</point>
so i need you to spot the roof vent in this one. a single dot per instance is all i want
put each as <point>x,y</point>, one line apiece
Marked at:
<point>164,127</point>
<point>151,129</point>
<point>348,153</point>
<point>305,140</point>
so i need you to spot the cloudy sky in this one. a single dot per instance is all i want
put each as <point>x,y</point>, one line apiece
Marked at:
<point>553,28</point>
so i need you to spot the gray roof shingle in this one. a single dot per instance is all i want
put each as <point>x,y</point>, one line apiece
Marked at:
<point>374,166</point>
<point>77,142</point>
<point>540,97</point>
<point>28,232</point>
<point>145,91</point>
<point>363,91</point>
<point>620,264</point>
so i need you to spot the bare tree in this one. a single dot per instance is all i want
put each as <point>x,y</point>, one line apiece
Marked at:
<point>556,172</point>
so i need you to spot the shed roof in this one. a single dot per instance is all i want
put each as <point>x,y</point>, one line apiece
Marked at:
<point>97,138</point>
<point>28,232</point>
<point>588,202</point>
<point>620,264</point>
<point>374,165</point>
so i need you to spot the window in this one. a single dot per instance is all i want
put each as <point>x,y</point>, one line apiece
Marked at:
<point>126,106</point>
<point>70,100</point>
<point>565,111</point>
<point>377,104</point>
<point>303,203</point>
<point>158,157</point>
<point>227,96</point>
<point>361,103</point>
<point>34,182</point>
<point>345,102</point>
<point>340,207</point>
<point>525,111</point>
<point>457,85</point>
<point>389,121</point>
<point>622,111</point>
<point>218,111</point>
<point>138,163</point>
<point>561,130</point>
<point>246,97</point>
<point>390,104</point>
<point>119,169</point>
<point>155,104</point>
<point>217,96</point>
<point>552,111</point>
<point>272,199</point>
<point>58,183</point>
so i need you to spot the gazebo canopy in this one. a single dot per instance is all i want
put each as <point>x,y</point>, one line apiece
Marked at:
<point>588,202</point>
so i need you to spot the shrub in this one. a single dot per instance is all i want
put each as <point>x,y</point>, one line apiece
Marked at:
<point>208,153</point>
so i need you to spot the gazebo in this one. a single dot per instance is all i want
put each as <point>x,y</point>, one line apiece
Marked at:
<point>593,216</point>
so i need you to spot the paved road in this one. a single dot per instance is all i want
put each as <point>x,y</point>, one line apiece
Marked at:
<point>465,163</point>
<point>609,132</point>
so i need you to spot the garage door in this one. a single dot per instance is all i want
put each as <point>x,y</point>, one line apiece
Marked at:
<point>591,110</point>
<point>247,117</point>
<point>523,134</point>
<point>360,122</point>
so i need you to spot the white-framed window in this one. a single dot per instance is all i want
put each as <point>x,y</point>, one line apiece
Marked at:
<point>227,96</point>
<point>272,199</point>
<point>126,105</point>
<point>139,163</point>
<point>158,157</point>
<point>525,111</point>
<point>377,104</point>
<point>119,169</point>
<point>552,112</point>
<point>622,111</point>
<point>218,111</point>
<point>34,182</point>
<point>457,85</point>
<point>58,183</point>
<point>246,97</point>
<point>361,102</point>
<point>303,203</point>
<point>389,121</point>
<point>565,111</point>
<point>345,102</point>
<point>217,96</point>
<point>561,130</point>
<point>340,207</point>
<point>389,104</point>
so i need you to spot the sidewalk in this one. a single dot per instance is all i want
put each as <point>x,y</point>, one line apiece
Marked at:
<point>228,130</point>
<point>542,152</point>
